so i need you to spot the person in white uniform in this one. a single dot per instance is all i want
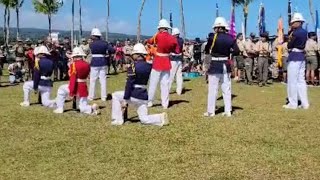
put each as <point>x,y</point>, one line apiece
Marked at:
<point>42,82</point>
<point>136,92</point>
<point>77,87</point>
<point>220,46</point>
<point>176,64</point>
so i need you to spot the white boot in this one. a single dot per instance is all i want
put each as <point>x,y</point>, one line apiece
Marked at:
<point>25,104</point>
<point>58,111</point>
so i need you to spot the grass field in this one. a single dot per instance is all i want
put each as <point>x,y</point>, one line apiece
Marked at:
<point>261,141</point>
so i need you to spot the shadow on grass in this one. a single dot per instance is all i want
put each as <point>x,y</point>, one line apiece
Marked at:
<point>234,109</point>
<point>232,97</point>
<point>172,103</point>
<point>184,91</point>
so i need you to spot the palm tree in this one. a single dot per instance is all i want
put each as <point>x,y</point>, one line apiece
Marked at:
<point>108,16</point>
<point>160,9</point>
<point>312,11</point>
<point>80,20</point>
<point>7,5</point>
<point>245,5</point>
<point>47,7</point>
<point>183,28</point>
<point>18,4</point>
<point>72,29</point>
<point>139,20</point>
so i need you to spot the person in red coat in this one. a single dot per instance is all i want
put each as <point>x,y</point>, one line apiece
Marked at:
<point>166,44</point>
<point>78,72</point>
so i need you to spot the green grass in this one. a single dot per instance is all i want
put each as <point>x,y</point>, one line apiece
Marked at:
<point>261,141</point>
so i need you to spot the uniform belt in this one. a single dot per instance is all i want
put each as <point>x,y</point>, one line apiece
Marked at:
<point>219,58</point>
<point>45,78</point>
<point>174,54</point>
<point>162,54</point>
<point>81,80</point>
<point>297,50</point>
<point>98,55</point>
<point>140,86</point>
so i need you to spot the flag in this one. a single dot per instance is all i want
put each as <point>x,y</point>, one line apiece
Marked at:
<point>233,24</point>
<point>280,41</point>
<point>317,27</point>
<point>289,12</point>
<point>243,32</point>
<point>217,10</point>
<point>262,24</point>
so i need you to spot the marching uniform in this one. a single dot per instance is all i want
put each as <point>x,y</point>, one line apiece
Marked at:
<point>297,87</point>
<point>100,50</point>
<point>176,64</point>
<point>77,87</point>
<point>220,47</point>
<point>136,93</point>
<point>166,44</point>
<point>264,50</point>
<point>41,80</point>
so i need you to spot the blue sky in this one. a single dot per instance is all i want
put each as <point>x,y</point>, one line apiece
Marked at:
<point>199,15</point>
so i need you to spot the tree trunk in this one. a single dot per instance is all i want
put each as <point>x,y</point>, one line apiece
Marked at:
<point>80,20</point>
<point>18,21</point>
<point>183,28</point>
<point>72,29</point>
<point>139,21</point>
<point>312,12</point>
<point>160,9</point>
<point>245,24</point>
<point>49,20</point>
<point>107,23</point>
<point>5,25</point>
<point>8,27</point>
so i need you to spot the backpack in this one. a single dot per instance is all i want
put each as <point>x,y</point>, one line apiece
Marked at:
<point>197,49</point>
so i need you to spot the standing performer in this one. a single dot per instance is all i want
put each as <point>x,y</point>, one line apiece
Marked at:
<point>99,50</point>
<point>311,56</point>
<point>136,92</point>
<point>220,47</point>
<point>264,50</point>
<point>297,87</point>
<point>176,64</point>
<point>166,44</point>
<point>42,82</point>
<point>77,87</point>
<point>249,55</point>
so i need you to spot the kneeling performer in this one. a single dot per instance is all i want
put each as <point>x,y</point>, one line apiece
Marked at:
<point>77,87</point>
<point>136,92</point>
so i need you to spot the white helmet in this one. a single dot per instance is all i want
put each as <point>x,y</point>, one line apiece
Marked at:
<point>78,52</point>
<point>220,22</point>
<point>139,49</point>
<point>96,32</point>
<point>175,31</point>
<point>42,50</point>
<point>297,17</point>
<point>164,24</point>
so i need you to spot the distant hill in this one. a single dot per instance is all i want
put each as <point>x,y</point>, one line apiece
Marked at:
<point>34,34</point>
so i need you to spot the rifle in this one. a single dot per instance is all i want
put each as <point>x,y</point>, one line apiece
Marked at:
<point>74,102</point>
<point>125,112</point>
<point>39,98</point>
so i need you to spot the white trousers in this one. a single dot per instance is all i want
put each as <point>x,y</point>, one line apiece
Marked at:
<point>297,87</point>
<point>176,70</point>
<point>43,90</point>
<point>164,77</point>
<point>213,89</point>
<point>142,110</point>
<point>63,93</point>
<point>95,73</point>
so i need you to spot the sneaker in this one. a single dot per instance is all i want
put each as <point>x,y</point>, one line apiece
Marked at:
<point>58,111</point>
<point>95,109</point>
<point>116,123</point>
<point>165,119</point>
<point>288,107</point>
<point>25,104</point>
<point>226,114</point>
<point>150,104</point>
<point>207,114</point>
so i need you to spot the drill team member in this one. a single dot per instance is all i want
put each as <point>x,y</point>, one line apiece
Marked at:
<point>42,82</point>
<point>249,55</point>
<point>161,66</point>
<point>297,87</point>
<point>77,87</point>
<point>311,56</point>
<point>264,50</point>
<point>176,64</point>
<point>100,50</point>
<point>136,92</point>
<point>220,47</point>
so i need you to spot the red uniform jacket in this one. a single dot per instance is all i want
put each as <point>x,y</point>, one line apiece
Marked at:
<point>79,72</point>
<point>166,44</point>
